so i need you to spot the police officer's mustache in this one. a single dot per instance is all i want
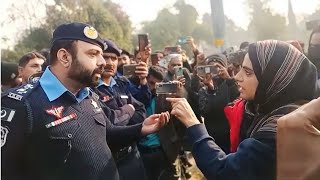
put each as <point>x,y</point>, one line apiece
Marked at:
<point>99,70</point>
<point>108,67</point>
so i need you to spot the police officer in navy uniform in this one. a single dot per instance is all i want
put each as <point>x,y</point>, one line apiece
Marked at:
<point>56,128</point>
<point>114,93</point>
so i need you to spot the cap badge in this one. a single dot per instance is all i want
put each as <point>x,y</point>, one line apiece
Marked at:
<point>90,32</point>
<point>105,46</point>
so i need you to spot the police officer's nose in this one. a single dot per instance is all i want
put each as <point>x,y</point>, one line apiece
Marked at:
<point>101,61</point>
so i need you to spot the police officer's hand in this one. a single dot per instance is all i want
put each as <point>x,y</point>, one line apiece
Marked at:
<point>154,122</point>
<point>183,111</point>
<point>142,72</point>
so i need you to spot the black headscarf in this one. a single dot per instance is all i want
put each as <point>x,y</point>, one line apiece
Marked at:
<point>285,75</point>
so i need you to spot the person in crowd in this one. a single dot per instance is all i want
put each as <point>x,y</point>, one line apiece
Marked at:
<point>161,147</point>
<point>113,92</point>
<point>160,54</point>
<point>244,46</point>
<point>29,64</point>
<point>56,128</point>
<point>9,76</point>
<point>219,90</point>
<point>314,50</point>
<point>45,52</point>
<point>274,82</point>
<point>138,86</point>
<point>185,61</point>
<point>175,61</point>
<point>123,60</point>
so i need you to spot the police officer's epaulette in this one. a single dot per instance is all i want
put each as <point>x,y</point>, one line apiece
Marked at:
<point>21,92</point>
<point>93,94</point>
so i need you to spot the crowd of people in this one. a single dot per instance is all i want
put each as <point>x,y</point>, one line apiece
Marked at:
<point>76,111</point>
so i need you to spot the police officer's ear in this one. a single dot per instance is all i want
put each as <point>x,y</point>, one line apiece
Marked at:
<point>64,57</point>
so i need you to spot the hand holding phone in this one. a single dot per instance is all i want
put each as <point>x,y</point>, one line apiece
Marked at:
<point>143,41</point>
<point>207,69</point>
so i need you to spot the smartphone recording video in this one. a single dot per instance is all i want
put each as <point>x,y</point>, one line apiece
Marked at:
<point>167,88</point>
<point>183,40</point>
<point>171,50</point>
<point>178,71</point>
<point>203,70</point>
<point>129,69</point>
<point>143,41</point>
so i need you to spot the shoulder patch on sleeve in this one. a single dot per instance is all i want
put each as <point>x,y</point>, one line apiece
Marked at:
<point>4,134</point>
<point>20,92</point>
<point>94,95</point>
<point>7,114</point>
<point>15,96</point>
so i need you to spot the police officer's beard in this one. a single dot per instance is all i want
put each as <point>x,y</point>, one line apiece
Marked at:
<point>84,76</point>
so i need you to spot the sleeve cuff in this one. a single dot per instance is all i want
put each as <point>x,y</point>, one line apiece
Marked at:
<point>197,133</point>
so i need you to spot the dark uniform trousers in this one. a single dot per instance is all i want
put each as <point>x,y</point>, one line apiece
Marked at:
<point>36,146</point>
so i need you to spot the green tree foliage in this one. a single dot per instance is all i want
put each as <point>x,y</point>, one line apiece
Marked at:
<point>187,16</point>
<point>264,23</point>
<point>204,30</point>
<point>107,17</point>
<point>164,30</point>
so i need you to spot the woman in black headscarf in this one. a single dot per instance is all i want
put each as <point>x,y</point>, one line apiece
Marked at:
<point>274,77</point>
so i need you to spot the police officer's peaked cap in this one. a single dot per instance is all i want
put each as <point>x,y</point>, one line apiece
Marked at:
<point>77,31</point>
<point>111,47</point>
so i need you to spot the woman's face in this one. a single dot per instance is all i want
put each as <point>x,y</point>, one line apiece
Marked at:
<point>247,80</point>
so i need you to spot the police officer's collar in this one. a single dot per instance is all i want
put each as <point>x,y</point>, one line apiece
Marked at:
<point>112,83</point>
<point>54,88</point>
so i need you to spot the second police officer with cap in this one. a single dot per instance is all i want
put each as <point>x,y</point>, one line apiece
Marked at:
<point>114,93</point>
<point>55,128</point>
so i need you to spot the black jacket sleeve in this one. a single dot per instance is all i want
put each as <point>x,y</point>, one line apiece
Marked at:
<point>120,136</point>
<point>140,111</point>
<point>14,132</point>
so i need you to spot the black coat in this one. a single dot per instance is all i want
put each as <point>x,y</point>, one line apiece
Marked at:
<point>74,149</point>
<point>211,105</point>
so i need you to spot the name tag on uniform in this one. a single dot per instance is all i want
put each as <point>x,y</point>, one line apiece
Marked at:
<point>124,97</point>
<point>98,110</point>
